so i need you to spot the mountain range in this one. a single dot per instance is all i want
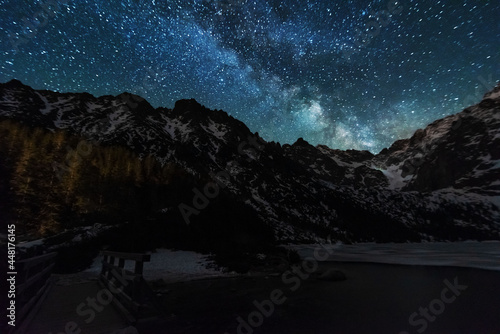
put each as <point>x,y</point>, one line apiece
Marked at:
<point>443,183</point>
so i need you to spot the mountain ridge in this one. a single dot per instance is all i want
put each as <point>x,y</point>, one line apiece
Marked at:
<point>420,188</point>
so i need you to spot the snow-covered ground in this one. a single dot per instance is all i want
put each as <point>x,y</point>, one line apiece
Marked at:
<point>484,255</point>
<point>171,266</point>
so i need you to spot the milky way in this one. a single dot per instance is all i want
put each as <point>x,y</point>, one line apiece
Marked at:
<point>348,74</point>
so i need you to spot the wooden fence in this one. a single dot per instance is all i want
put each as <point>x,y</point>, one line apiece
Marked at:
<point>32,285</point>
<point>132,294</point>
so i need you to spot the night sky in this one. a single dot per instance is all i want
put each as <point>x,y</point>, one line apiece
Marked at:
<point>348,74</point>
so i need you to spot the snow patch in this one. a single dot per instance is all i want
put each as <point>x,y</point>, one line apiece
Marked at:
<point>172,266</point>
<point>29,244</point>
<point>175,127</point>
<point>346,164</point>
<point>47,107</point>
<point>394,176</point>
<point>215,129</point>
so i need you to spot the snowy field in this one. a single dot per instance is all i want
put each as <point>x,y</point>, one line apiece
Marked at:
<point>171,266</point>
<point>484,255</point>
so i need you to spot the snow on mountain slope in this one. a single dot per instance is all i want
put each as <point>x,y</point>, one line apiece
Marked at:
<point>440,184</point>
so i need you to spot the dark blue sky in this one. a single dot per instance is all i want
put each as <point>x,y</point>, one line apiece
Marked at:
<point>348,74</point>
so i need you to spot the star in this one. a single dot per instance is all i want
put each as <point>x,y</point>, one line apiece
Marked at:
<point>347,74</point>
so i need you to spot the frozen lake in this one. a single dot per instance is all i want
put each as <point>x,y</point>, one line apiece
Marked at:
<point>484,255</point>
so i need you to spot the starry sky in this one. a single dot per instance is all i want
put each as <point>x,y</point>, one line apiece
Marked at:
<point>347,74</point>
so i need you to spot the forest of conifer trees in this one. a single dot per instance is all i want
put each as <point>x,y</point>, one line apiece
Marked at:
<point>54,185</point>
<point>53,181</point>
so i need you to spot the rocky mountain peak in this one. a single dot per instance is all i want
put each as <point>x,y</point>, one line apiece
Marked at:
<point>494,94</point>
<point>301,143</point>
<point>14,83</point>
<point>446,173</point>
<point>188,105</point>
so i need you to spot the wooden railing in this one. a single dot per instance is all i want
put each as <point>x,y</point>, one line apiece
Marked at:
<point>127,285</point>
<point>32,285</point>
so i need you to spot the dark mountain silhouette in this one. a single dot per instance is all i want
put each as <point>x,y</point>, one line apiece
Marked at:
<point>199,176</point>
